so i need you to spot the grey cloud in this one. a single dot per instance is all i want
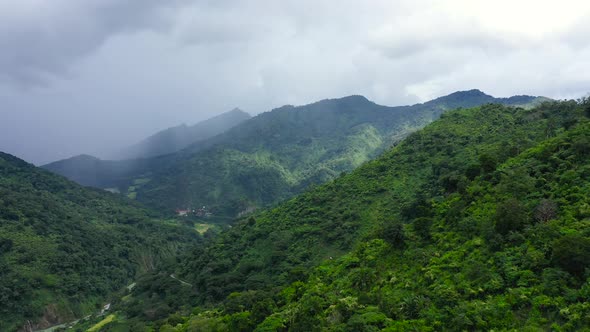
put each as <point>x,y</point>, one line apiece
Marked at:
<point>408,39</point>
<point>116,71</point>
<point>206,24</point>
<point>39,40</point>
<point>576,37</point>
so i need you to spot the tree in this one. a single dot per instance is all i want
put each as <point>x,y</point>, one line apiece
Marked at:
<point>516,182</point>
<point>473,171</point>
<point>582,146</point>
<point>572,253</point>
<point>393,233</point>
<point>487,162</point>
<point>417,208</point>
<point>5,245</point>
<point>585,102</point>
<point>511,215</point>
<point>545,211</point>
<point>422,227</point>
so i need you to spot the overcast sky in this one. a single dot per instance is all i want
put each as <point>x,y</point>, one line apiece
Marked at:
<point>84,76</point>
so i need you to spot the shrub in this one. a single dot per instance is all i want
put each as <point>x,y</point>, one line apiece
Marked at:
<point>545,211</point>
<point>422,227</point>
<point>511,215</point>
<point>572,253</point>
<point>393,233</point>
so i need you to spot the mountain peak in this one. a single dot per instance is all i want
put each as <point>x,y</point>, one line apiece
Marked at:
<point>77,160</point>
<point>355,98</point>
<point>237,110</point>
<point>177,138</point>
<point>352,100</point>
<point>85,157</point>
<point>464,98</point>
<point>469,93</point>
<point>236,114</point>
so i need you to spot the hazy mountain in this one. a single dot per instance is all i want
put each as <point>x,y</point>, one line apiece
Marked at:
<point>177,138</point>
<point>91,171</point>
<point>271,156</point>
<point>64,249</point>
<point>480,221</point>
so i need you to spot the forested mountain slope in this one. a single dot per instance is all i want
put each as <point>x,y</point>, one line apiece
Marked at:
<point>65,248</point>
<point>272,156</point>
<point>177,138</point>
<point>479,221</point>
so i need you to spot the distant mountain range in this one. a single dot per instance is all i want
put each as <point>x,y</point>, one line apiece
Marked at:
<point>271,156</point>
<point>177,138</point>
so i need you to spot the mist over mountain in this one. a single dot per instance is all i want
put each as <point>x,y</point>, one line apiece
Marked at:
<point>269,157</point>
<point>369,187</point>
<point>91,77</point>
<point>177,138</point>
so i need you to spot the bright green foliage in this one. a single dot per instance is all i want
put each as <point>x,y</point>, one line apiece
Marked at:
<point>475,254</point>
<point>64,248</point>
<point>272,156</point>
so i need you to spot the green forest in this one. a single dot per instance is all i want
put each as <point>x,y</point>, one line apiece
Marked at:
<point>294,166</point>
<point>271,157</point>
<point>64,249</point>
<point>477,222</point>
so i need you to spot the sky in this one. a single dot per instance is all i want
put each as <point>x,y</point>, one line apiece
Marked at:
<point>92,76</point>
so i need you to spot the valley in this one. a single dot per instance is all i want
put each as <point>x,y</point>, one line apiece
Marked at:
<point>471,223</point>
<point>294,166</point>
<point>482,202</point>
<point>64,248</point>
<point>270,157</point>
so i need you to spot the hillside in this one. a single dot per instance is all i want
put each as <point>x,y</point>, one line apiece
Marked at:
<point>272,156</point>
<point>177,138</point>
<point>64,249</point>
<point>142,157</point>
<point>112,174</point>
<point>477,222</point>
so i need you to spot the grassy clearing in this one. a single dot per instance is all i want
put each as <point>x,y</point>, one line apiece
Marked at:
<point>202,228</point>
<point>102,323</point>
<point>141,181</point>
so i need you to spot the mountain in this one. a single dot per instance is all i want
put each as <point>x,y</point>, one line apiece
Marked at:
<point>272,156</point>
<point>177,138</point>
<point>480,221</point>
<point>91,171</point>
<point>64,249</point>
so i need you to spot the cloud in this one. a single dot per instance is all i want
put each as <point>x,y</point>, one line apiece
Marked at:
<point>40,39</point>
<point>131,67</point>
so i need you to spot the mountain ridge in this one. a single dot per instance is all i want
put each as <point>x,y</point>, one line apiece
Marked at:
<point>273,155</point>
<point>65,249</point>
<point>479,221</point>
<point>176,138</point>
